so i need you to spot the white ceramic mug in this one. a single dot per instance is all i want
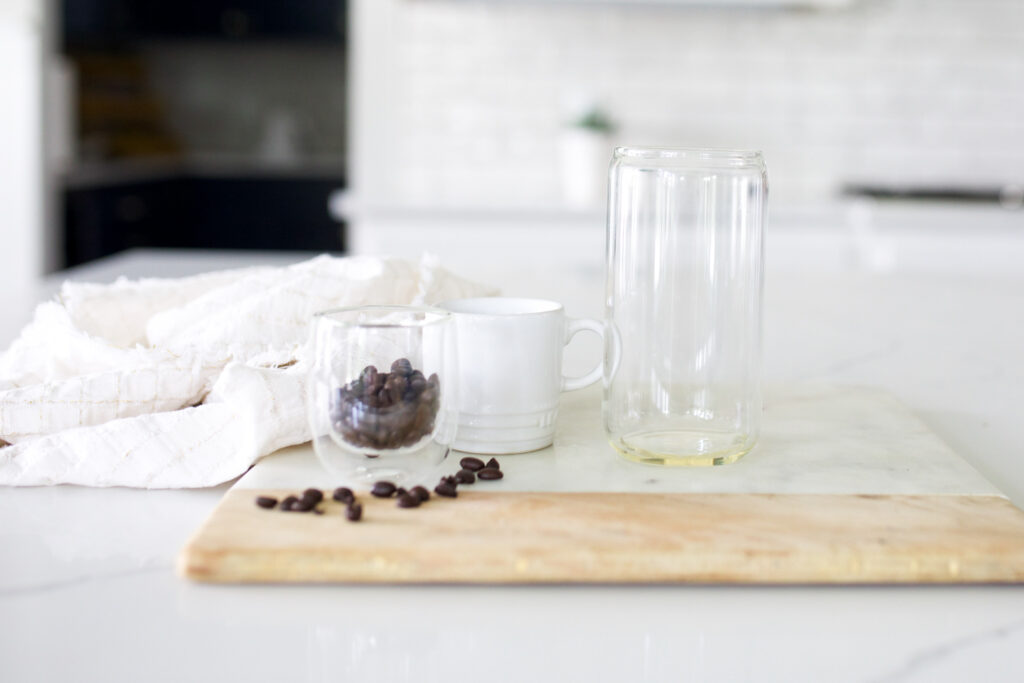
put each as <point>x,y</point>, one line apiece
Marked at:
<point>510,371</point>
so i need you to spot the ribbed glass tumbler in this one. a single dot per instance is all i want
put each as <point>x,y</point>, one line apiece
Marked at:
<point>684,285</point>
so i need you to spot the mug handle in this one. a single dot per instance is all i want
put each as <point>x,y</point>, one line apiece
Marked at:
<point>574,326</point>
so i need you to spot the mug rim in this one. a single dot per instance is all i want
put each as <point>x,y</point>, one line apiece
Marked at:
<point>543,306</point>
<point>437,315</point>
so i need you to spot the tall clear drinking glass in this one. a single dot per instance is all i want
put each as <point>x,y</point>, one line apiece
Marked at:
<point>684,286</point>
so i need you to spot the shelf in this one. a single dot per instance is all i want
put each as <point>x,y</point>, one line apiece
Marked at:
<point>108,173</point>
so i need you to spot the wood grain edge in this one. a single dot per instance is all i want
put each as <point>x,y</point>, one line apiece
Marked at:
<point>985,543</point>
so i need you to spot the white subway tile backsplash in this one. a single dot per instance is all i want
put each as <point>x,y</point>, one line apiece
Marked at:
<point>886,90</point>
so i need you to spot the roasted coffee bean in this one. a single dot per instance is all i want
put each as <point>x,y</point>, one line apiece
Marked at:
<point>450,479</point>
<point>266,502</point>
<point>408,500</point>
<point>287,503</point>
<point>343,494</point>
<point>302,505</point>
<point>383,489</point>
<point>400,491</point>
<point>402,367</point>
<point>395,391</point>
<point>368,377</point>
<point>494,464</point>
<point>420,492</point>
<point>472,464</point>
<point>313,495</point>
<point>354,512</point>
<point>445,489</point>
<point>489,473</point>
<point>386,410</point>
<point>465,477</point>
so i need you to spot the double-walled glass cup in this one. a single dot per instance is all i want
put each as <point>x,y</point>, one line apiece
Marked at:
<point>382,393</point>
<point>684,289</point>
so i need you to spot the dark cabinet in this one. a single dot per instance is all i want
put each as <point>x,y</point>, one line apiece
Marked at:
<point>239,213</point>
<point>103,221</point>
<point>207,213</point>
<point>111,23</point>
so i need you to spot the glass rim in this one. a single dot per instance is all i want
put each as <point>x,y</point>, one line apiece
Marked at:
<point>696,155</point>
<point>437,315</point>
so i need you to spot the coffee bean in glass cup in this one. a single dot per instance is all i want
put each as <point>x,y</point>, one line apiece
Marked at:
<point>381,392</point>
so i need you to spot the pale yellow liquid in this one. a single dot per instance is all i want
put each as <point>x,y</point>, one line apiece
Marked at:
<point>683,448</point>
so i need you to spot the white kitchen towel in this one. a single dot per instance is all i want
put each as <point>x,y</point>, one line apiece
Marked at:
<point>163,383</point>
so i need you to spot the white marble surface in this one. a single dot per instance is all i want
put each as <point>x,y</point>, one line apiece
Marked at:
<point>815,439</point>
<point>88,592</point>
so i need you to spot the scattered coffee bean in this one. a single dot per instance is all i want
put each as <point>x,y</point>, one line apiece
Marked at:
<point>416,496</point>
<point>445,489</point>
<point>354,512</point>
<point>408,500</point>
<point>383,489</point>
<point>472,464</point>
<point>343,494</point>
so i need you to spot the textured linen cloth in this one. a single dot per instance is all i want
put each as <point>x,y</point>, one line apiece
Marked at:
<point>165,383</point>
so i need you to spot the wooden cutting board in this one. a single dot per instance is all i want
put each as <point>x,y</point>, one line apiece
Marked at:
<point>846,487</point>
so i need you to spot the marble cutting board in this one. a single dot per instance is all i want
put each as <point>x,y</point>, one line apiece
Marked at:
<point>845,486</point>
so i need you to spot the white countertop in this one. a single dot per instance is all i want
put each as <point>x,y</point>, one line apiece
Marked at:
<point>88,590</point>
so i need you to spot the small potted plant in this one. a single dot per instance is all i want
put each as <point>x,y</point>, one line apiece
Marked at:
<point>586,147</point>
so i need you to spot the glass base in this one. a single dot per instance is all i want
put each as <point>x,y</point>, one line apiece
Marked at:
<point>683,448</point>
<point>405,466</point>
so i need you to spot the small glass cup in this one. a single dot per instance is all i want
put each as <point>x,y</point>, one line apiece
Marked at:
<point>381,396</point>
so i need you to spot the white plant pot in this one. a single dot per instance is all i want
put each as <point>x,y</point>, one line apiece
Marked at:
<point>585,155</point>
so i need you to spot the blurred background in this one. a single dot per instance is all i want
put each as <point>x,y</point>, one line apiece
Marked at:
<point>482,127</point>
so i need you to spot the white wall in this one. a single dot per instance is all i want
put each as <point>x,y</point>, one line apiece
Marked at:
<point>463,102</point>
<point>21,159</point>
